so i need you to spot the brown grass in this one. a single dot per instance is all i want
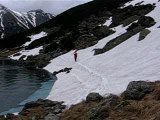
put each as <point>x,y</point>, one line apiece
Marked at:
<point>78,112</point>
<point>146,109</point>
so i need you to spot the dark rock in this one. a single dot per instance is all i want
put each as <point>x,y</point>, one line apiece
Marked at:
<point>98,51</point>
<point>55,73</point>
<point>136,90</point>
<point>130,20</point>
<point>132,26</point>
<point>38,61</point>
<point>51,47</point>
<point>118,40</point>
<point>66,70</point>
<point>129,14</point>
<point>67,43</point>
<point>50,109</point>
<point>85,40</point>
<point>102,31</point>
<point>116,19</point>
<point>146,21</point>
<point>93,97</point>
<point>98,113</point>
<point>41,102</point>
<point>143,34</point>
<point>110,101</point>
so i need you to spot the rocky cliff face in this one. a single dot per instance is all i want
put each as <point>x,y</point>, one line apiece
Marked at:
<point>12,22</point>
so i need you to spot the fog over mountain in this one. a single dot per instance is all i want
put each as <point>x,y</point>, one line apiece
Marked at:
<point>52,6</point>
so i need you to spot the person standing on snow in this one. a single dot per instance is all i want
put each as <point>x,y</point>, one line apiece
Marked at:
<point>75,55</point>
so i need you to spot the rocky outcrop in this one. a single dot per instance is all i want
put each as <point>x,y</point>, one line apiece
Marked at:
<point>137,90</point>
<point>143,34</point>
<point>146,21</point>
<point>118,40</point>
<point>143,105</point>
<point>130,14</point>
<point>110,101</point>
<point>102,31</point>
<point>134,28</point>
<point>66,70</point>
<point>38,110</point>
<point>93,97</point>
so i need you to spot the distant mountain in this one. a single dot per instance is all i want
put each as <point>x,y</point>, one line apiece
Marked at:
<point>12,22</point>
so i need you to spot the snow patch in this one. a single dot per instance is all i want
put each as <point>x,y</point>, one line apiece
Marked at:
<point>108,22</point>
<point>142,2</point>
<point>35,37</point>
<point>27,53</point>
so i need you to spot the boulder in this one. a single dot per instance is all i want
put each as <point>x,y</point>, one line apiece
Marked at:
<point>93,97</point>
<point>143,34</point>
<point>136,90</point>
<point>66,70</point>
<point>110,101</point>
<point>146,21</point>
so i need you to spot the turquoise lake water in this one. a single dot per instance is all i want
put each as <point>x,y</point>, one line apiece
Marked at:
<point>19,85</point>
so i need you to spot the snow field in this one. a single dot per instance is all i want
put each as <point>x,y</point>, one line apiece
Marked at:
<point>109,72</point>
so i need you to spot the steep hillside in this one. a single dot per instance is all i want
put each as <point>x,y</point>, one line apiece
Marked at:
<point>12,22</point>
<point>68,22</point>
<point>132,59</point>
<point>115,45</point>
<point>127,52</point>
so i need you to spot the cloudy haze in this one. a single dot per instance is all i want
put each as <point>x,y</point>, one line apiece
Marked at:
<point>52,6</point>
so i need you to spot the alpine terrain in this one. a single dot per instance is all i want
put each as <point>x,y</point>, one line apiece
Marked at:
<point>117,72</point>
<point>12,22</point>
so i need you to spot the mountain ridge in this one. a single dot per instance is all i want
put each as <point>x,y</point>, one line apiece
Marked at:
<point>12,22</point>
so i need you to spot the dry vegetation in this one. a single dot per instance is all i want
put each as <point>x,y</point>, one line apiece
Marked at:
<point>147,108</point>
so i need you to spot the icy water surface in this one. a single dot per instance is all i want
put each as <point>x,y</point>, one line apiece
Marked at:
<point>18,84</point>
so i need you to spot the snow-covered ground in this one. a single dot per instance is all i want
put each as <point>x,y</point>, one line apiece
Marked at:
<point>109,72</point>
<point>27,53</point>
<point>35,37</point>
<point>34,51</point>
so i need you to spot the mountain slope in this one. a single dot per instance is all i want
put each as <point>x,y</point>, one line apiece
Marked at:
<point>12,22</point>
<point>109,72</point>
